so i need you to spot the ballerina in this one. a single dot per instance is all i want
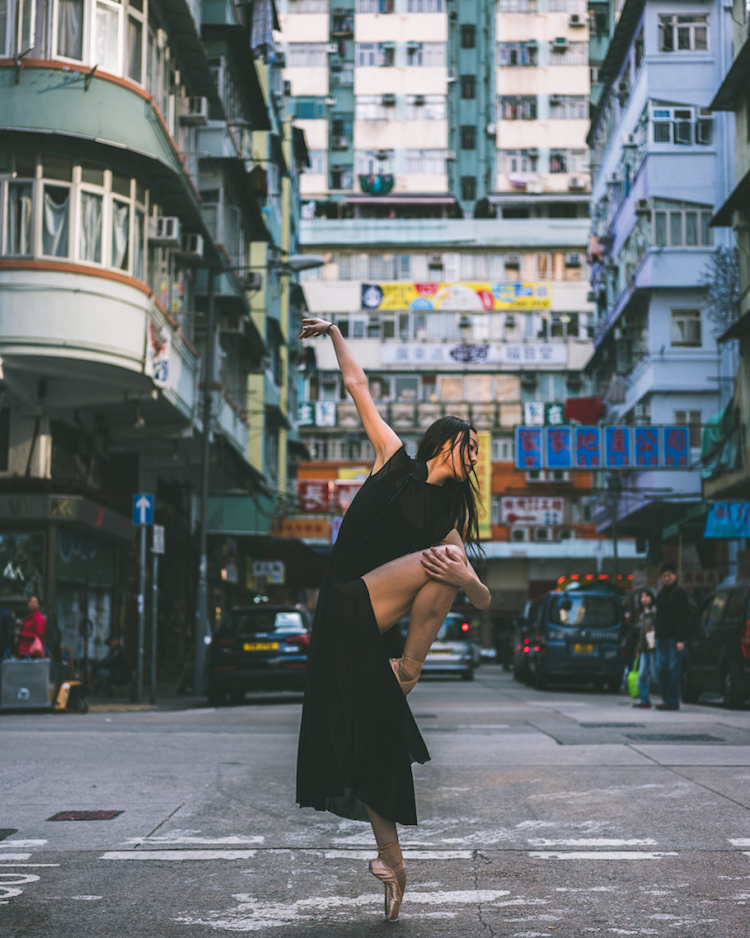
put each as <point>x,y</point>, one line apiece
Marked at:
<point>400,551</point>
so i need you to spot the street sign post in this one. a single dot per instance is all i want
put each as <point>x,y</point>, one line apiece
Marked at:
<point>143,516</point>
<point>157,547</point>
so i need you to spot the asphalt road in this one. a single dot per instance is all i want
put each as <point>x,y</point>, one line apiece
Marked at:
<point>542,813</point>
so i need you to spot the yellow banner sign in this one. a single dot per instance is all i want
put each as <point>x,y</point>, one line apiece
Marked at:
<point>483,470</point>
<point>461,297</point>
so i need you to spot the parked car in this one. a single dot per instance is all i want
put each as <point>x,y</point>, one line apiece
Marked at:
<point>717,656</point>
<point>455,649</point>
<point>577,635</point>
<point>258,648</point>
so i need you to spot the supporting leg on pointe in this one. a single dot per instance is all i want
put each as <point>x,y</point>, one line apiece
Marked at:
<point>388,866</point>
<point>385,831</point>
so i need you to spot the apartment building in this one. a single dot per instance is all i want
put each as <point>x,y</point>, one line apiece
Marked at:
<point>658,155</point>
<point>141,155</point>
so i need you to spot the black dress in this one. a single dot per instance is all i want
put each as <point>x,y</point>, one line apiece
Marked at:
<point>358,737</point>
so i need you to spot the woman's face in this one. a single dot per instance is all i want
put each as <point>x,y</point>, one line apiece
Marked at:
<point>645,600</point>
<point>462,459</point>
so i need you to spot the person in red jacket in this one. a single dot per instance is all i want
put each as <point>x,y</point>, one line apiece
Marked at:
<point>34,627</point>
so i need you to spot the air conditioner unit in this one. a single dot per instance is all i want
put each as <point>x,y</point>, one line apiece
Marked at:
<point>252,280</point>
<point>555,99</point>
<point>419,100</point>
<point>332,48</point>
<point>331,102</point>
<point>623,87</point>
<point>560,43</point>
<point>412,44</point>
<point>510,321</point>
<point>164,230</point>
<point>529,378</point>
<point>573,260</point>
<point>464,322</point>
<point>544,534</point>
<point>194,112</point>
<point>576,20</point>
<point>519,534</point>
<point>280,59</point>
<point>450,154</point>
<point>513,261</point>
<point>388,100</point>
<point>576,182</point>
<point>491,130</point>
<point>628,142</point>
<point>435,261</point>
<point>642,208</point>
<point>591,296</point>
<point>548,475</point>
<point>452,76</point>
<point>533,152</point>
<point>339,143</point>
<point>191,245</point>
<point>613,180</point>
<point>532,44</point>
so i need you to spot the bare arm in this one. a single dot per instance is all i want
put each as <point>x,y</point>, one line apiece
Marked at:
<point>384,440</point>
<point>448,564</point>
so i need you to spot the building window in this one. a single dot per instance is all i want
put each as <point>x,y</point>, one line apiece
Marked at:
<point>638,50</point>
<point>518,107</point>
<point>425,6</point>
<point>468,137</point>
<point>468,188</point>
<point>342,177</point>
<point>70,29</point>
<point>308,6</point>
<point>468,87</point>
<point>370,107</point>
<point>517,161</point>
<point>306,55</point>
<point>568,107</point>
<point>693,420</point>
<point>468,36</point>
<point>686,328</point>
<point>373,162</point>
<point>425,107</point>
<point>516,6</point>
<point>516,54</point>
<point>688,33</point>
<point>682,126</point>
<point>18,237</point>
<point>573,53</point>
<point>375,54</point>
<point>318,162</point>
<point>427,54</point>
<point>681,224</point>
<point>425,161</point>
<point>309,108</point>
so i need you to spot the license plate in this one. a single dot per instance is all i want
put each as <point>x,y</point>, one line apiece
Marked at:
<point>260,646</point>
<point>583,649</point>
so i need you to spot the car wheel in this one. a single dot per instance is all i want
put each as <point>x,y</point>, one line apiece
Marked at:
<point>688,691</point>
<point>468,675</point>
<point>733,696</point>
<point>216,698</point>
<point>236,698</point>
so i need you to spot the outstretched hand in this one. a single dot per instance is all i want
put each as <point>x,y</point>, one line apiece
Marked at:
<point>314,327</point>
<point>445,565</point>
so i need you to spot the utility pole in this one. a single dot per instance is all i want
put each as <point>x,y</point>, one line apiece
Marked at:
<point>157,547</point>
<point>202,627</point>
<point>615,485</point>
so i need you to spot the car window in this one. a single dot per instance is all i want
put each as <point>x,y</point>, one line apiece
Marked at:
<point>589,612</point>
<point>452,630</point>
<point>735,606</point>
<point>715,611</point>
<point>249,621</point>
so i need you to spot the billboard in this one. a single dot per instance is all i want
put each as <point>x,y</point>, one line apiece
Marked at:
<point>461,297</point>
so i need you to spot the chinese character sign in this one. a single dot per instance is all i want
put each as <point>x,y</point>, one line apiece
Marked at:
<point>587,447</point>
<point>647,444</point>
<point>314,495</point>
<point>528,447</point>
<point>559,447</point>
<point>617,447</point>
<point>531,510</point>
<point>728,519</point>
<point>676,448</point>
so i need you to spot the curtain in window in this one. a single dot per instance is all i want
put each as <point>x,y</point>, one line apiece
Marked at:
<point>70,29</point>
<point>107,23</point>
<point>3,26</point>
<point>55,217</point>
<point>120,234</point>
<point>135,48</point>
<point>20,204</point>
<point>140,253</point>
<point>261,37</point>
<point>90,239</point>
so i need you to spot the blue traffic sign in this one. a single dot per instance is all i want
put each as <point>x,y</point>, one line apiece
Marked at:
<point>143,509</point>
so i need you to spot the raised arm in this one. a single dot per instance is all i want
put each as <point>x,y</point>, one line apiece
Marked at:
<point>384,440</point>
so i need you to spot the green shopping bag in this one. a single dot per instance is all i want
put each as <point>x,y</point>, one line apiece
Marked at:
<point>633,679</point>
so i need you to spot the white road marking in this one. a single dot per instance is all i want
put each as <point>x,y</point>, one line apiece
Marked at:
<point>602,855</point>
<point>178,855</point>
<point>253,914</point>
<point>86,898</point>
<point>594,842</point>
<point>408,854</point>
<point>23,843</point>
<point>740,842</point>
<point>27,864</point>
<point>180,839</point>
<point>15,856</point>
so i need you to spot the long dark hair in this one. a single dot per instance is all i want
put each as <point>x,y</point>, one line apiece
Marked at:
<point>463,495</point>
<point>650,593</point>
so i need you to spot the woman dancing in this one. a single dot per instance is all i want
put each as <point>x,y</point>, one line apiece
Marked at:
<point>399,551</point>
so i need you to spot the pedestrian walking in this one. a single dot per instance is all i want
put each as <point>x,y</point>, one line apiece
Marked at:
<point>646,648</point>
<point>672,626</point>
<point>32,640</point>
<point>399,550</point>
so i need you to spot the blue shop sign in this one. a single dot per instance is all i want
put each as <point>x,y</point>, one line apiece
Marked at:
<point>728,519</point>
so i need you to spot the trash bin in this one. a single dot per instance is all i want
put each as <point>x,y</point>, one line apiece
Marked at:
<point>26,685</point>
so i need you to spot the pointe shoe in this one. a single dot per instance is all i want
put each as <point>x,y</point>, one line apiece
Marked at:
<point>407,671</point>
<point>390,870</point>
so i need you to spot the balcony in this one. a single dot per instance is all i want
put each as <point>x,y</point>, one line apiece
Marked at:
<point>409,416</point>
<point>377,184</point>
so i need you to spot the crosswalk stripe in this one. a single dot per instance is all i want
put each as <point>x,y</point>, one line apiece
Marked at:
<point>601,855</point>
<point>178,855</point>
<point>408,854</point>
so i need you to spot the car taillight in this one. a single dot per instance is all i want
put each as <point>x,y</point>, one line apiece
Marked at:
<point>223,642</point>
<point>541,645</point>
<point>465,627</point>
<point>745,643</point>
<point>301,640</point>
